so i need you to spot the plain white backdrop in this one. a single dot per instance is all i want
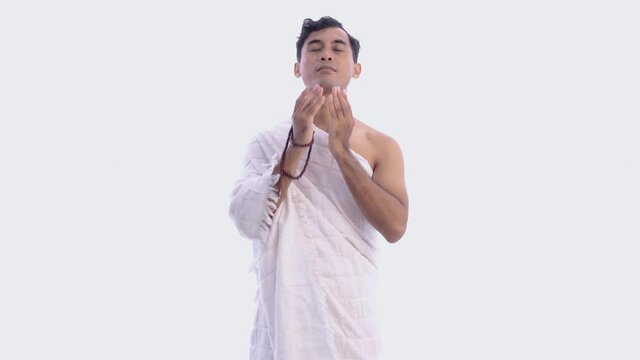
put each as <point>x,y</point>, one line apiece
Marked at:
<point>123,125</point>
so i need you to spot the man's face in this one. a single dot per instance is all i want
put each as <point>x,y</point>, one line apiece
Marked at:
<point>327,59</point>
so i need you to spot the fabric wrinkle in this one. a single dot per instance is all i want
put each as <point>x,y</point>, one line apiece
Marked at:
<point>314,257</point>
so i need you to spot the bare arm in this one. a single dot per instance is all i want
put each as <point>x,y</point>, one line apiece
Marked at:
<point>382,199</point>
<point>307,105</point>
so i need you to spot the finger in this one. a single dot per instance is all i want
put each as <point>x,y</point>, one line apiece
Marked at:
<point>302,95</point>
<point>308,93</point>
<point>314,98</point>
<point>342,99</point>
<point>329,101</point>
<point>344,102</point>
<point>332,113</point>
<point>318,104</point>
<point>309,99</point>
<point>336,97</point>
<point>337,104</point>
<point>331,104</point>
<point>300,101</point>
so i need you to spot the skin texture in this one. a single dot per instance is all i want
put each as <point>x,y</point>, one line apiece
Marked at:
<point>326,68</point>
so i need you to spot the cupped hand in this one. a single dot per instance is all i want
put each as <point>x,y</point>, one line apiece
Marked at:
<point>306,107</point>
<point>341,120</point>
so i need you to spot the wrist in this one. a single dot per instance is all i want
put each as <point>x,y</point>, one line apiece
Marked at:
<point>339,149</point>
<point>294,153</point>
<point>302,134</point>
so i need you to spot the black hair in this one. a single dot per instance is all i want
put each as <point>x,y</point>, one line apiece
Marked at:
<point>309,26</point>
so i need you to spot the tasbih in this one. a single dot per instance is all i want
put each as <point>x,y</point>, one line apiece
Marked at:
<point>284,153</point>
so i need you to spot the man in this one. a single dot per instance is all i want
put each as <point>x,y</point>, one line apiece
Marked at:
<point>313,193</point>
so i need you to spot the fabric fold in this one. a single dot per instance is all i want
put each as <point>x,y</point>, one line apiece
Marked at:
<point>255,194</point>
<point>314,257</point>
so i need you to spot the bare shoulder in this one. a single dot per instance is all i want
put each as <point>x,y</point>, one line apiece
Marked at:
<point>388,169</point>
<point>379,146</point>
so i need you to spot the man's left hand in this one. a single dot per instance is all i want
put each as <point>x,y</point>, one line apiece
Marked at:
<point>341,120</point>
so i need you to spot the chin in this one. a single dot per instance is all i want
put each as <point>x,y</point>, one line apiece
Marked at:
<point>327,85</point>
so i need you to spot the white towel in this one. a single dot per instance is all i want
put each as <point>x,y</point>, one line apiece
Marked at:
<point>314,256</point>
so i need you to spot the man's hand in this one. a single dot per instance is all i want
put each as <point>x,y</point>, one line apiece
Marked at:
<point>307,105</point>
<point>382,197</point>
<point>341,120</point>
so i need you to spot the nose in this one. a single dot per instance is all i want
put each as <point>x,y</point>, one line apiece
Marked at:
<point>325,55</point>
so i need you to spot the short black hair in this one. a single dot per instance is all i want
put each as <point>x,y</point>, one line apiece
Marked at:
<point>309,26</point>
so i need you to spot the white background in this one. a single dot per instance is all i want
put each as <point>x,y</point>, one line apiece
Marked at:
<point>123,125</point>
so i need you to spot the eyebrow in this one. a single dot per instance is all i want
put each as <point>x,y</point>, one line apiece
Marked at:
<point>316,41</point>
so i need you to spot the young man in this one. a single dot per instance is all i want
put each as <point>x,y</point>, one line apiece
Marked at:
<point>313,193</point>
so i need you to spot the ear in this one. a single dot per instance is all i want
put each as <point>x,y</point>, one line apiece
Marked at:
<point>357,69</point>
<point>296,69</point>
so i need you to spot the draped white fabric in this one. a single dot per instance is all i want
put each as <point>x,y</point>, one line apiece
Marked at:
<point>314,257</point>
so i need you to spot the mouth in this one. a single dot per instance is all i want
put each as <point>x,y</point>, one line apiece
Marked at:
<point>325,67</point>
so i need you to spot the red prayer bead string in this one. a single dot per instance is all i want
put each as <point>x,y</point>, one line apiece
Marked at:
<point>295,143</point>
<point>284,153</point>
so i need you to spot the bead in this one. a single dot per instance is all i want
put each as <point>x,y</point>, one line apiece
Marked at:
<point>284,153</point>
<point>295,143</point>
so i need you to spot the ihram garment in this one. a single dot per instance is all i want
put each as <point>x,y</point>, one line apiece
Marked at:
<point>314,256</point>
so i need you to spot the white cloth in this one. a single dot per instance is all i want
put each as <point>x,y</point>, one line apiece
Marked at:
<point>314,257</point>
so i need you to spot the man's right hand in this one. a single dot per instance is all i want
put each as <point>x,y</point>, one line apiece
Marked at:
<point>307,105</point>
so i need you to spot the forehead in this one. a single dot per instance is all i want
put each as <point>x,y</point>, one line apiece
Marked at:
<point>328,35</point>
